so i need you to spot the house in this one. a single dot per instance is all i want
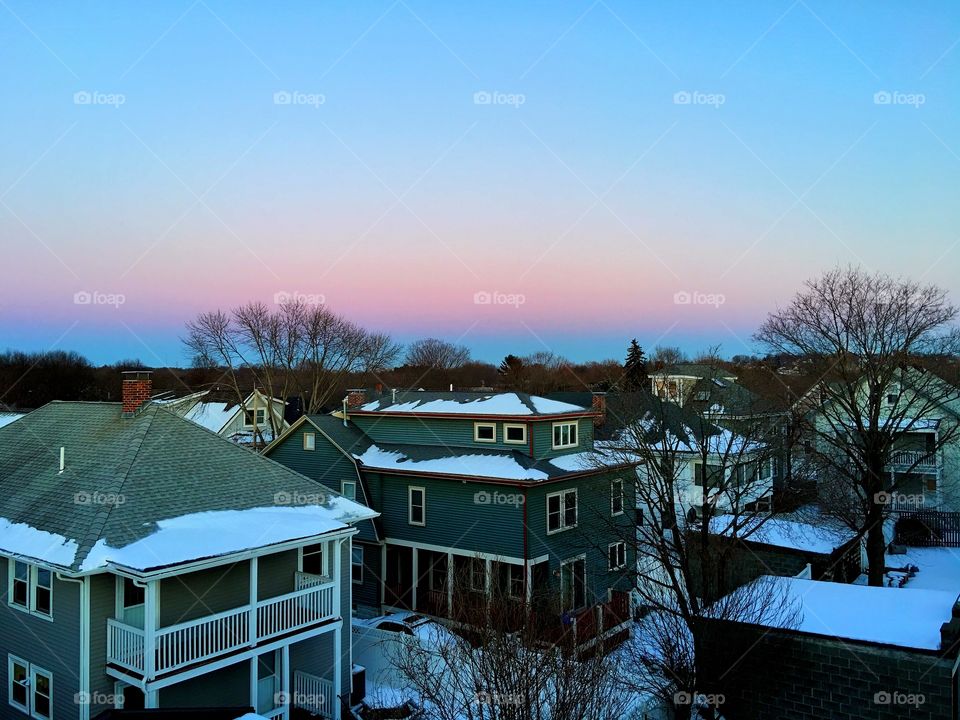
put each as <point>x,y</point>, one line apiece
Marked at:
<point>249,423</point>
<point>148,562</point>
<point>8,417</point>
<point>840,651</point>
<point>478,493</point>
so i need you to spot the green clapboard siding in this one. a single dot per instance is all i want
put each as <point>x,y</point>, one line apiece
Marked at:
<point>326,464</point>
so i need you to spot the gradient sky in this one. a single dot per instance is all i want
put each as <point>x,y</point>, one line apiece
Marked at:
<point>587,185</point>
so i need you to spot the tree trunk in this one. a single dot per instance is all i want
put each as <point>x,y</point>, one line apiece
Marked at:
<point>876,548</point>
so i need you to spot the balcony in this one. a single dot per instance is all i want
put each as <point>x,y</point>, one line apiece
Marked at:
<point>214,636</point>
<point>913,460</point>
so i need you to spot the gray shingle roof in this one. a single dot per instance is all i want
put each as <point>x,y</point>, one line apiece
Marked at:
<point>160,464</point>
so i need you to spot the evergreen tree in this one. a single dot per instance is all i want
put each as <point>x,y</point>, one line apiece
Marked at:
<point>635,367</point>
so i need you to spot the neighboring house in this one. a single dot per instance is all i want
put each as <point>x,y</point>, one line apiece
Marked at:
<point>248,424</point>
<point>476,492</point>
<point>922,411</point>
<point>146,562</point>
<point>833,650</point>
<point>8,417</point>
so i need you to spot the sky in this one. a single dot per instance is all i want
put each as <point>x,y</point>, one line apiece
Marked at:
<point>511,176</point>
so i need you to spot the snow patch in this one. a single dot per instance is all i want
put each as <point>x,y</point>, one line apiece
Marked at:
<point>22,539</point>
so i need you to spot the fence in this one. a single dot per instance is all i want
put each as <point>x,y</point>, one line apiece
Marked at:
<point>929,528</point>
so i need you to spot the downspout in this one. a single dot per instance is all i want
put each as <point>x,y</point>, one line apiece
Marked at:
<point>525,548</point>
<point>84,677</point>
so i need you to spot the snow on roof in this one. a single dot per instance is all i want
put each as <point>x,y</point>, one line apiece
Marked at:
<point>22,539</point>
<point>7,418</point>
<point>209,534</point>
<point>783,533</point>
<point>891,616</point>
<point>212,415</point>
<point>488,404</point>
<point>502,466</point>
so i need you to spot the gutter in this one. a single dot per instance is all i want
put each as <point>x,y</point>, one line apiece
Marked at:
<point>83,695</point>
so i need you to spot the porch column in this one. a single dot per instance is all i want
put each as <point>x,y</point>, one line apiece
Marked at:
<point>337,546</point>
<point>416,579</point>
<point>252,615</point>
<point>150,621</point>
<point>337,671</point>
<point>528,580</point>
<point>254,688</point>
<point>449,584</point>
<point>285,674</point>
<point>383,575</point>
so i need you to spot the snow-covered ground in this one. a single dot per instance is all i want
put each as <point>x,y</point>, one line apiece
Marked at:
<point>939,568</point>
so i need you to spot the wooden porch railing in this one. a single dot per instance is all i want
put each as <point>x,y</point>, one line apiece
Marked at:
<point>313,694</point>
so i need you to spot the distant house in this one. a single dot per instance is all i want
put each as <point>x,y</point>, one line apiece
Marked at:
<point>477,492</point>
<point>8,417</point>
<point>149,563</point>
<point>249,423</point>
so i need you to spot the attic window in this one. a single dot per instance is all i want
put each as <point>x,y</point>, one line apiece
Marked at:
<point>309,441</point>
<point>261,417</point>
<point>515,434</point>
<point>485,432</point>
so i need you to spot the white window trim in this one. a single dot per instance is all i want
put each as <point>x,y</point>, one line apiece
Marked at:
<point>310,435</point>
<point>610,547</point>
<point>423,494</point>
<point>478,425</point>
<point>34,671</point>
<point>522,426</point>
<point>11,659</point>
<point>553,434</point>
<point>614,494</point>
<point>255,412</point>
<point>33,572</point>
<point>343,486</point>
<point>352,564</point>
<point>563,525</point>
<point>325,559</point>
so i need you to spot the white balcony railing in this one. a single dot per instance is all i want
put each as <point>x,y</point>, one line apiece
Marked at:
<point>916,459</point>
<point>313,694</point>
<point>178,646</point>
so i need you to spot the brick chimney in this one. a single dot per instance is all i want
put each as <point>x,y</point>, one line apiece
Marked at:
<point>356,397</point>
<point>137,388</point>
<point>599,407</point>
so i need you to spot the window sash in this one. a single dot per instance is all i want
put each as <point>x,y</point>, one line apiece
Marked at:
<point>570,508</point>
<point>485,432</point>
<point>18,672</point>
<point>562,509</point>
<point>20,590</point>
<point>517,429</point>
<point>41,683</point>
<point>616,497</point>
<point>564,435</point>
<point>617,556</point>
<point>356,564</point>
<point>478,575</point>
<point>515,581</point>
<point>417,501</point>
<point>309,557</point>
<point>348,488</point>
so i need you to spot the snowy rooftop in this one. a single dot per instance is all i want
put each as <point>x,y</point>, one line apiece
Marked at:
<point>212,415</point>
<point>471,403</point>
<point>890,616</point>
<point>7,417</point>
<point>779,532</point>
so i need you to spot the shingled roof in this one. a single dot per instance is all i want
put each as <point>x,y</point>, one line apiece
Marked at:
<point>148,491</point>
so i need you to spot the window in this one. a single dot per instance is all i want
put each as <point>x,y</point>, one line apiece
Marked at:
<point>616,497</point>
<point>356,564</point>
<point>312,560</point>
<point>349,489</point>
<point>261,417</point>
<point>617,556</point>
<point>713,475</point>
<point>561,510</point>
<point>417,506</point>
<point>638,519</point>
<point>766,469</point>
<point>31,588</point>
<point>515,581</point>
<point>132,602</point>
<point>703,395</point>
<point>30,688</point>
<point>309,441</point>
<point>573,583</point>
<point>478,574</point>
<point>893,394</point>
<point>514,434</point>
<point>564,435</point>
<point>485,432</point>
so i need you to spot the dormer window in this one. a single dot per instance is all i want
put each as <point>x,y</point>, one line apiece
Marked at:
<point>309,441</point>
<point>565,435</point>
<point>260,414</point>
<point>485,432</point>
<point>515,434</point>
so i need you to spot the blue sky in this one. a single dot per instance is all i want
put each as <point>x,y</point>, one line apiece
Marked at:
<point>595,158</point>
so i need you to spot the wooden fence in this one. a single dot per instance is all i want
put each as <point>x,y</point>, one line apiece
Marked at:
<point>928,528</point>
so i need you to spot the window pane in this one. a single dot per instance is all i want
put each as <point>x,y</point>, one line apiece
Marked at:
<point>41,601</point>
<point>313,559</point>
<point>570,509</point>
<point>553,512</point>
<point>132,594</point>
<point>356,564</point>
<point>515,433</point>
<point>350,490</point>
<point>20,592</point>
<point>573,434</point>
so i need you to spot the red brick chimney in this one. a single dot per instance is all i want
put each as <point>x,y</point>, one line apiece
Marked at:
<point>599,407</point>
<point>137,388</point>
<point>356,397</point>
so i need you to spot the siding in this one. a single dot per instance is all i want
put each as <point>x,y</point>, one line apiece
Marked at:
<point>367,594</point>
<point>227,687</point>
<point>52,646</point>
<point>193,595</point>
<point>103,605</point>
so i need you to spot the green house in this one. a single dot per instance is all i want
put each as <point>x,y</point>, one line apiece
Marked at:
<point>475,492</point>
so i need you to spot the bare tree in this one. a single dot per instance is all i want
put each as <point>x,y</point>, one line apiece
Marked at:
<point>505,666</point>
<point>294,349</point>
<point>700,489</point>
<point>866,335</point>
<point>667,355</point>
<point>437,354</point>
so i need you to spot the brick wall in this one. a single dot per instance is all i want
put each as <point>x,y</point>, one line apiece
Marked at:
<point>782,674</point>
